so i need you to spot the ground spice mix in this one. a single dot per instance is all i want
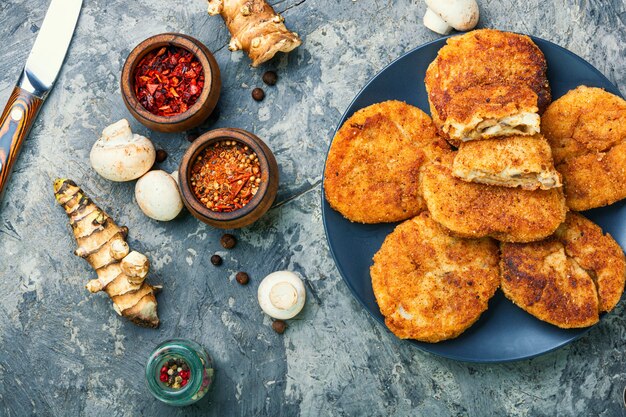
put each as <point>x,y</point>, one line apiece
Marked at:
<point>225,176</point>
<point>168,81</point>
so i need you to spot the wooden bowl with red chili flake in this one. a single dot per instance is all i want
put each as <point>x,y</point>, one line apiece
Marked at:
<point>228,178</point>
<point>170,82</point>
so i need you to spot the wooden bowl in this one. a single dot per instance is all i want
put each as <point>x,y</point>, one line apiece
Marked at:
<point>200,110</point>
<point>258,205</point>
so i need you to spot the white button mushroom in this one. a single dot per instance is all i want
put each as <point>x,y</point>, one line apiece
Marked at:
<point>119,155</point>
<point>444,15</point>
<point>281,295</point>
<point>175,176</point>
<point>158,196</point>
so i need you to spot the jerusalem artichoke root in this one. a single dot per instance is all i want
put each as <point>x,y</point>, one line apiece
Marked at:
<point>255,27</point>
<point>121,273</point>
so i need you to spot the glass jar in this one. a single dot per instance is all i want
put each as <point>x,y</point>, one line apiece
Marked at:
<point>200,372</point>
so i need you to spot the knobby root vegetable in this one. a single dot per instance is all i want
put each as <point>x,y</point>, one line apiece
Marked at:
<point>102,243</point>
<point>255,28</point>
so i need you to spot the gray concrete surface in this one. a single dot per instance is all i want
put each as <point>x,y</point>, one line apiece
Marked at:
<point>64,352</point>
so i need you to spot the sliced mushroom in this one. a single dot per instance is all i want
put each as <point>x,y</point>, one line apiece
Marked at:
<point>281,295</point>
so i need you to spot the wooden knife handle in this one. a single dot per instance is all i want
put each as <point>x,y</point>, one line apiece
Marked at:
<point>17,119</point>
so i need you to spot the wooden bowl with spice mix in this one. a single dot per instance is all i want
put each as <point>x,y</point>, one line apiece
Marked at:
<point>170,82</point>
<point>228,178</point>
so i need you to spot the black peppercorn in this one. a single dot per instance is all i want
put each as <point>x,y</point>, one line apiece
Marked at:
<point>216,260</point>
<point>258,94</point>
<point>242,278</point>
<point>279,326</point>
<point>270,77</point>
<point>161,155</point>
<point>228,241</point>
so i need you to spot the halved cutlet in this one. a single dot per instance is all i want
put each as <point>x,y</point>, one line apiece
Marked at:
<point>429,285</point>
<point>477,210</point>
<point>487,83</point>
<point>567,279</point>
<point>516,161</point>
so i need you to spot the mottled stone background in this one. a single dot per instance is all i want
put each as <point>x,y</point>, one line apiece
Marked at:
<point>66,353</point>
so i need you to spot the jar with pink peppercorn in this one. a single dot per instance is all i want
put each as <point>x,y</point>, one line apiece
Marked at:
<point>179,372</point>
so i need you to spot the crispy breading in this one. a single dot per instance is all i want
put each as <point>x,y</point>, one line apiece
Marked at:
<point>372,170</point>
<point>586,129</point>
<point>599,254</point>
<point>516,161</point>
<point>487,83</point>
<point>542,280</point>
<point>478,210</point>
<point>567,279</point>
<point>429,285</point>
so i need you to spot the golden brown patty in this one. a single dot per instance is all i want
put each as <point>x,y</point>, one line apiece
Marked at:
<point>431,286</point>
<point>586,129</point>
<point>487,83</point>
<point>372,170</point>
<point>479,210</point>
<point>516,161</point>
<point>567,279</point>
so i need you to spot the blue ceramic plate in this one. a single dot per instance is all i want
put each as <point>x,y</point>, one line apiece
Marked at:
<point>504,332</point>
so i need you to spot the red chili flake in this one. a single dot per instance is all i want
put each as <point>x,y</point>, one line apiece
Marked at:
<point>168,81</point>
<point>225,176</point>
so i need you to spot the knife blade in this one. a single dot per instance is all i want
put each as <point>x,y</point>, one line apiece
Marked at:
<point>36,80</point>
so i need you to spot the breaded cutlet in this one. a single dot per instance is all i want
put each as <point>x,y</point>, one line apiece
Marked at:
<point>429,285</point>
<point>477,210</point>
<point>487,83</point>
<point>516,161</point>
<point>372,170</point>
<point>567,279</point>
<point>586,129</point>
